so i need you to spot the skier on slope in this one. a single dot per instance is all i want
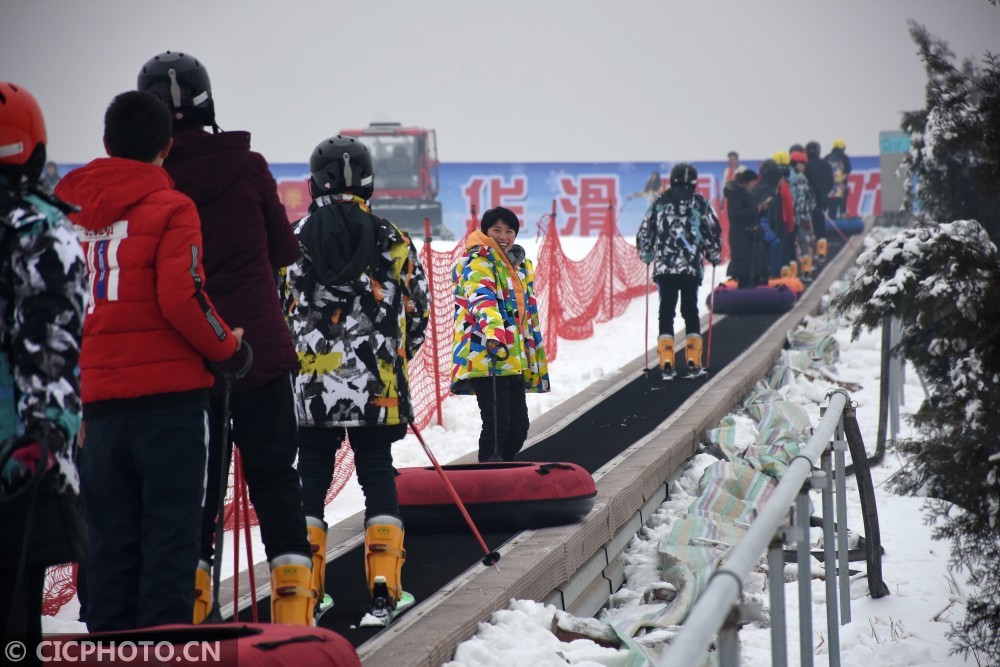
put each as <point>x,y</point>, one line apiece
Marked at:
<point>357,303</point>
<point>247,238</point>
<point>678,233</point>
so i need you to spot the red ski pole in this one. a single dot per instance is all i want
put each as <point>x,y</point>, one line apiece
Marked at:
<point>711,314</point>
<point>491,557</point>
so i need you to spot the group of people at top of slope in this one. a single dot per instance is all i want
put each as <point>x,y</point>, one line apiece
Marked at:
<point>777,226</point>
<point>777,218</point>
<point>108,325</point>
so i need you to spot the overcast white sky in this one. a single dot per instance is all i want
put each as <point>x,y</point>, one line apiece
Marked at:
<point>504,80</point>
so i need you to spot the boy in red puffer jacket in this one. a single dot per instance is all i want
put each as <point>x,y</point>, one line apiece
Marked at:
<point>148,331</point>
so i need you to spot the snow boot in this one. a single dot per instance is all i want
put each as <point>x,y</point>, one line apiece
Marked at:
<point>665,351</point>
<point>786,271</point>
<point>384,554</point>
<point>807,267</point>
<point>692,353</point>
<point>316,531</point>
<point>202,591</point>
<point>292,596</point>
<point>793,267</point>
<point>821,250</point>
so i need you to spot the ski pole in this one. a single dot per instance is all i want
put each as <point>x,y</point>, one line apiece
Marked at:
<point>215,616</point>
<point>491,557</point>
<point>711,314</point>
<point>646,345</point>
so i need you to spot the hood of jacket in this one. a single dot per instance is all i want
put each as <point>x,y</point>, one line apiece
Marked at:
<point>340,241</point>
<point>205,165</point>
<point>107,187</point>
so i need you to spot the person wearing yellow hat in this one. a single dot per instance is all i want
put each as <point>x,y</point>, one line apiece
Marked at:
<point>840,164</point>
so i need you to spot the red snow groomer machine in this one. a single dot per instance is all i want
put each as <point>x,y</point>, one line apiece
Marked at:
<point>406,176</point>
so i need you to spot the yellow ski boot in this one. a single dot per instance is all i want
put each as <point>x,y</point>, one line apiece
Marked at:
<point>292,596</point>
<point>665,351</point>
<point>202,591</point>
<point>384,558</point>
<point>692,353</point>
<point>316,530</point>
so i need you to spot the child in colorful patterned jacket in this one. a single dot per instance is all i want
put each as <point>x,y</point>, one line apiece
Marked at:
<point>498,352</point>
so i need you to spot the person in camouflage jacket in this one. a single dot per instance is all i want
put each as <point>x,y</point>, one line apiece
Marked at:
<point>42,301</point>
<point>354,336</point>
<point>805,205</point>
<point>495,308</point>
<point>679,232</point>
<point>358,306</point>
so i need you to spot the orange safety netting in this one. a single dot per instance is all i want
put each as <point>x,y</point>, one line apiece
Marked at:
<point>572,297</point>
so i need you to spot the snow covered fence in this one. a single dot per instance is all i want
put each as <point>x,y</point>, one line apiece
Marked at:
<point>719,608</point>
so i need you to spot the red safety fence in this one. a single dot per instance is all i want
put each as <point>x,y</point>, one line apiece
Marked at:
<point>572,295</point>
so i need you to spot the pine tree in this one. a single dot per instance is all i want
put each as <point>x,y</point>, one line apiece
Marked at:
<point>943,282</point>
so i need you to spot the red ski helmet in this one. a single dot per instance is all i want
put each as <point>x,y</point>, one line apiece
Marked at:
<point>22,131</point>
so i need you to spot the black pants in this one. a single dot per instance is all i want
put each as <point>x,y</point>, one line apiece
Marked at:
<point>687,288</point>
<point>511,416</point>
<point>819,223</point>
<point>372,446</point>
<point>142,481</point>
<point>265,429</point>
<point>837,207</point>
<point>29,609</point>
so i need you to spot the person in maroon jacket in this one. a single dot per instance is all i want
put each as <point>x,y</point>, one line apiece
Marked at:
<point>247,239</point>
<point>144,383</point>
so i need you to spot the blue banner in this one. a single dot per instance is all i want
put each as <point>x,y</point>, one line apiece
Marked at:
<point>586,195</point>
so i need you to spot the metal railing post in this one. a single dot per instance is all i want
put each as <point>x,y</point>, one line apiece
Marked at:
<point>840,478</point>
<point>805,576</point>
<point>830,547</point>
<point>776,592</point>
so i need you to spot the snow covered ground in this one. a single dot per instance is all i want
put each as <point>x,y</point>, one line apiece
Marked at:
<point>907,628</point>
<point>895,631</point>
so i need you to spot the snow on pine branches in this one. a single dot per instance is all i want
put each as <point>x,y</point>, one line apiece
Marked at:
<point>943,282</point>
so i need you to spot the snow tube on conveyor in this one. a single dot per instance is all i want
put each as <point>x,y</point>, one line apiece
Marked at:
<point>794,284</point>
<point>849,226</point>
<point>499,496</point>
<point>753,300</point>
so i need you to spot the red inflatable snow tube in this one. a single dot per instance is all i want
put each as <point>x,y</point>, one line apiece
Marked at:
<point>222,645</point>
<point>498,496</point>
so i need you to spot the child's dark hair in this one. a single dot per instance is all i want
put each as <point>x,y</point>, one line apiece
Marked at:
<point>137,126</point>
<point>499,214</point>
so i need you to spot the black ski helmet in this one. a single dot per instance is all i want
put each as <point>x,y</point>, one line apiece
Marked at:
<point>181,81</point>
<point>683,179</point>
<point>682,174</point>
<point>341,164</point>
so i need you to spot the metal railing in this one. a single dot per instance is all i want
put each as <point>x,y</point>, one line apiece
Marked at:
<point>720,610</point>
